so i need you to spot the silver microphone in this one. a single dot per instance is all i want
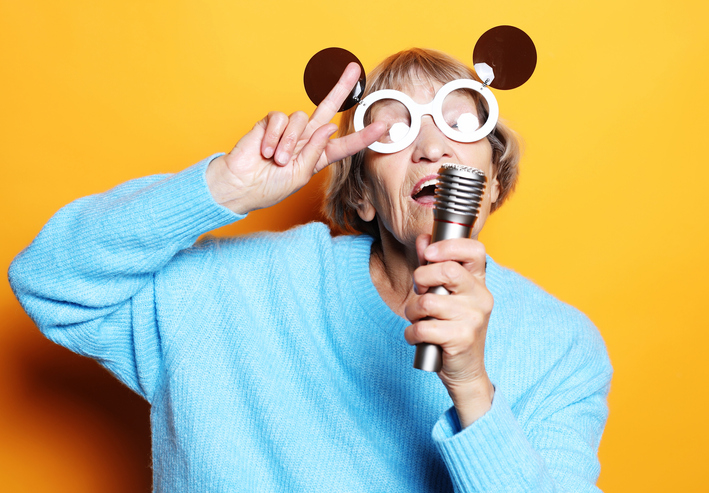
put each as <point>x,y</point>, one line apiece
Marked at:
<point>458,196</point>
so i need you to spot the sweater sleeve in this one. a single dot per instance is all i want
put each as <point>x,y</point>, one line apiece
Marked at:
<point>550,449</point>
<point>87,280</point>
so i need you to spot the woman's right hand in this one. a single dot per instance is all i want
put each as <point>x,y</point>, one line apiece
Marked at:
<point>281,153</point>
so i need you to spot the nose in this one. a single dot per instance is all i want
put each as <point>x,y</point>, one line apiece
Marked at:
<point>431,145</point>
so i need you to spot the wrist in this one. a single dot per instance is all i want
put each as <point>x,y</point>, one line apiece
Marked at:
<point>220,187</point>
<point>473,400</point>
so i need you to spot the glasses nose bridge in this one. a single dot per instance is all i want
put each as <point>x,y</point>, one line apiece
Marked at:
<point>420,112</point>
<point>430,143</point>
<point>427,109</point>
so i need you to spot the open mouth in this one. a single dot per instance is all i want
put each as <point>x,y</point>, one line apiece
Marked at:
<point>424,192</point>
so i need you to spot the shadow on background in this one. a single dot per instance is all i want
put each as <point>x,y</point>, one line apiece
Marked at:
<point>65,419</point>
<point>66,423</point>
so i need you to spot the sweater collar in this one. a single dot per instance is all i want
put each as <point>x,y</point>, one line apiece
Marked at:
<point>355,268</point>
<point>359,281</point>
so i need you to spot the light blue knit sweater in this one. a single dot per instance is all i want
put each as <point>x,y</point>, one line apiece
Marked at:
<point>272,364</point>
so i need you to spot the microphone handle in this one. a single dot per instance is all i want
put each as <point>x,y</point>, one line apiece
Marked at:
<point>429,357</point>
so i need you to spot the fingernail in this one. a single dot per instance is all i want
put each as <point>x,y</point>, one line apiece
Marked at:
<point>282,158</point>
<point>432,250</point>
<point>268,152</point>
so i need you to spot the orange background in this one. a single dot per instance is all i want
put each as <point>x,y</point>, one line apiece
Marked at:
<point>610,213</point>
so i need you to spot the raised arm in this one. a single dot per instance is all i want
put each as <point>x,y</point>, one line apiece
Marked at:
<point>87,279</point>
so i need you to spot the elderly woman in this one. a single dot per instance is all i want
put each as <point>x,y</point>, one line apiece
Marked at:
<point>282,362</point>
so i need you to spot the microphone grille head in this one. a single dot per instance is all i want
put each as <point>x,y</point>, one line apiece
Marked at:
<point>460,189</point>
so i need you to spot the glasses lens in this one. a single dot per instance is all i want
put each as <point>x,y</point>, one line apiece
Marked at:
<point>460,111</point>
<point>394,114</point>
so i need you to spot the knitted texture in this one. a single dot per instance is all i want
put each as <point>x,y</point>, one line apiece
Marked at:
<point>271,363</point>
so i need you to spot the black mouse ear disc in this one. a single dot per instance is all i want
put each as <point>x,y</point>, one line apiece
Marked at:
<point>324,70</point>
<point>510,53</point>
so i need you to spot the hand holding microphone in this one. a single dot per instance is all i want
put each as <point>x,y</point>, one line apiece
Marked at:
<point>458,197</point>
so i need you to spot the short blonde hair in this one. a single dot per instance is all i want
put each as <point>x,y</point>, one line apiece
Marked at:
<point>346,187</point>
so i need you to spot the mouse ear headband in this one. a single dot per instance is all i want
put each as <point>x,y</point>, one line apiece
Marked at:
<point>503,58</point>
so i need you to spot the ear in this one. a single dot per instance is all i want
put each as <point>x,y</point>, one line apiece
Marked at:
<point>365,209</point>
<point>494,189</point>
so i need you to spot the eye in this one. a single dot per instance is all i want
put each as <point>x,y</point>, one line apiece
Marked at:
<point>398,131</point>
<point>467,123</point>
<point>394,114</point>
<point>460,112</point>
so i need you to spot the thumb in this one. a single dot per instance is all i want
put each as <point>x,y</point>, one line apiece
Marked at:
<point>311,154</point>
<point>422,241</point>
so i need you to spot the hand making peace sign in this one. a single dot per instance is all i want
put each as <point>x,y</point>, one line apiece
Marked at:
<point>281,153</point>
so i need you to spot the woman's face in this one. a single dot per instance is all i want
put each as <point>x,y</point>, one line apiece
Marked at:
<point>400,185</point>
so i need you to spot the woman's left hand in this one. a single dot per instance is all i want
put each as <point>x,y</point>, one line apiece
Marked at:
<point>459,321</point>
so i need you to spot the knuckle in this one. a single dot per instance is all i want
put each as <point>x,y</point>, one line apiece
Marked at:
<point>418,275</point>
<point>454,351</point>
<point>299,116</point>
<point>422,330</point>
<point>458,346</point>
<point>476,319</point>
<point>289,140</point>
<point>409,334</point>
<point>427,302</point>
<point>282,119</point>
<point>275,125</point>
<point>416,330</point>
<point>466,334</point>
<point>451,270</point>
<point>276,116</point>
<point>478,250</point>
<point>327,104</point>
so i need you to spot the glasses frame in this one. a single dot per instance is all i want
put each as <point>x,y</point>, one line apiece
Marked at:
<point>435,109</point>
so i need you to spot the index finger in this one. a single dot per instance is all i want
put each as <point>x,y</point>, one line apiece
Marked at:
<point>351,144</point>
<point>469,252</point>
<point>329,106</point>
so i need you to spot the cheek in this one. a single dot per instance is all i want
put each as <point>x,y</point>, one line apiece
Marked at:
<point>380,192</point>
<point>384,183</point>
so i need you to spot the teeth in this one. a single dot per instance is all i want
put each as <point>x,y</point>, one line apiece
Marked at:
<point>432,181</point>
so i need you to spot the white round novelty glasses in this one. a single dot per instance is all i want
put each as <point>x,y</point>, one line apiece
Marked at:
<point>453,110</point>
